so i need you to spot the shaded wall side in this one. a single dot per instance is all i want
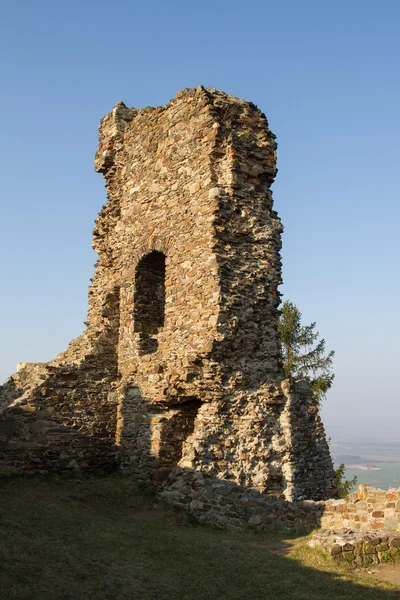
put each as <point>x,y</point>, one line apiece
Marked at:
<point>248,231</point>
<point>308,467</point>
<point>224,504</point>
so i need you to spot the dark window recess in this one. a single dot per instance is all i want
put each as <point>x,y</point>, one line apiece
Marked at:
<point>149,300</point>
<point>175,430</point>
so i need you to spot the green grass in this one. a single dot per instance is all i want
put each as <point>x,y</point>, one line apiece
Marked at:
<point>102,539</point>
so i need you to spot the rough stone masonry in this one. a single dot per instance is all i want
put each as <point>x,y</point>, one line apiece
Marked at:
<point>179,366</point>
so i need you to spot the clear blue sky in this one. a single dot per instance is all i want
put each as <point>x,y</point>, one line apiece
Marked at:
<point>327,76</point>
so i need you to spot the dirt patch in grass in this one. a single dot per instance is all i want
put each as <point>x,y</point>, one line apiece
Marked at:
<point>103,539</point>
<point>389,573</point>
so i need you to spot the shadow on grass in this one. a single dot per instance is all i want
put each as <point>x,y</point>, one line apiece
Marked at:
<point>103,539</point>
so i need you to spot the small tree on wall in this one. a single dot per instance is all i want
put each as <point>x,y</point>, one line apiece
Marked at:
<point>304,357</point>
<point>344,486</point>
<point>304,354</point>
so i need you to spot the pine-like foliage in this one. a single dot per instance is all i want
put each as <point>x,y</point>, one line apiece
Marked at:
<point>344,486</point>
<point>304,354</point>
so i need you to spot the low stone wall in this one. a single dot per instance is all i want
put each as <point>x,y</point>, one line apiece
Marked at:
<point>225,505</point>
<point>366,509</point>
<point>358,549</point>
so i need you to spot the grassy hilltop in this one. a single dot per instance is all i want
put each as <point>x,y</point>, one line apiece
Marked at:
<point>103,539</point>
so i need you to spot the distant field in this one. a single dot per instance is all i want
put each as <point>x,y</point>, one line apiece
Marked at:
<point>386,477</point>
<point>103,539</point>
<point>373,457</point>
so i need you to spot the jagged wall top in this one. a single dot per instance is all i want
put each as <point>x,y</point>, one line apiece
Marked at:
<point>113,124</point>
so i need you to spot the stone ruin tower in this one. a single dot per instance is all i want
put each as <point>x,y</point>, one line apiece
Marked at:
<point>179,363</point>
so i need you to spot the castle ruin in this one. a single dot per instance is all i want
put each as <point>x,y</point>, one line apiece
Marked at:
<point>179,365</point>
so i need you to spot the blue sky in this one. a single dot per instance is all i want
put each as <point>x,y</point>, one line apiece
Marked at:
<point>327,77</point>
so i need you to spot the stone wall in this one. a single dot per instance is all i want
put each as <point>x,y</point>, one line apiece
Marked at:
<point>227,505</point>
<point>358,549</point>
<point>362,529</point>
<point>366,509</point>
<point>179,364</point>
<point>340,522</point>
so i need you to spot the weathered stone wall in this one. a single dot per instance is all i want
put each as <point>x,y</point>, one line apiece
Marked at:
<point>362,529</point>
<point>351,521</point>
<point>366,509</point>
<point>62,415</point>
<point>179,364</point>
<point>358,549</point>
<point>227,505</point>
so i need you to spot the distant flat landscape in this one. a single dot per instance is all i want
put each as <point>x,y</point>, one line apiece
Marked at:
<point>373,456</point>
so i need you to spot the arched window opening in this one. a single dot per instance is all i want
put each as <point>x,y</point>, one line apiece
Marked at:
<point>149,300</point>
